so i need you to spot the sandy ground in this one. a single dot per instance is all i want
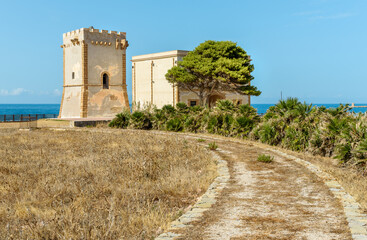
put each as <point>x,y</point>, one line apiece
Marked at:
<point>278,200</point>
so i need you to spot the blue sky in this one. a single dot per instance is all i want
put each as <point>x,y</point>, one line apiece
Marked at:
<point>315,50</point>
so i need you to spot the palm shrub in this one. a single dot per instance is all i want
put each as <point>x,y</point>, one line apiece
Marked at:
<point>182,107</point>
<point>174,124</point>
<point>121,120</point>
<point>289,124</point>
<point>193,123</point>
<point>161,116</point>
<point>225,106</point>
<point>228,119</point>
<point>360,155</point>
<point>141,120</point>
<point>242,126</point>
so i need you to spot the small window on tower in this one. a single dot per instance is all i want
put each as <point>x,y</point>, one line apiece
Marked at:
<point>72,75</point>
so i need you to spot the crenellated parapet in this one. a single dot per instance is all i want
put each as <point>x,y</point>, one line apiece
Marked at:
<point>95,37</point>
<point>95,31</point>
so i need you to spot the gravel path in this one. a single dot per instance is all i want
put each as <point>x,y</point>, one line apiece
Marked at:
<point>279,200</point>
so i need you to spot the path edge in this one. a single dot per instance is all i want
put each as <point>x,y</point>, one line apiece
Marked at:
<point>204,203</point>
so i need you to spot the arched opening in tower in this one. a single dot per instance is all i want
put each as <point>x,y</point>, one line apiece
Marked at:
<point>105,81</point>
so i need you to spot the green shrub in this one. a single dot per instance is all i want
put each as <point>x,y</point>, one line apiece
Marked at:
<point>212,146</point>
<point>174,125</point>
<point>201,140</point>
<point>121,120</point>
<point>213,124</point>
<point>224,105</point>
<point>168,109</point>
<point>192,124</point>
<point>181,106</point>
<point>140,120</point>
<point>268,134</point>
<point>289,124</point>
<point>265,158</point>
<point>196,109</point>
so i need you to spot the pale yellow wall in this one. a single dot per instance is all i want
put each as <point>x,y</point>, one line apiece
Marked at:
<point>143,82</point>
<point>147,78</point>
<point>106,102</point>
<point>72,99</point>
<point>103,58</point>
<point>74,64</point>
<point>236,96</point>
<point>186,96</point>
<point>163,90</point>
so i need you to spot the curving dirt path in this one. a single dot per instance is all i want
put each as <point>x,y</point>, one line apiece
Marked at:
<point>279,200</point>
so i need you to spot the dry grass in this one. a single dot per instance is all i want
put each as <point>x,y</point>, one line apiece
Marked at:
<point>96,185</point>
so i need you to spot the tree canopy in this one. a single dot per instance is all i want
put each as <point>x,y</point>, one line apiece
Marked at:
<point>214,66</point>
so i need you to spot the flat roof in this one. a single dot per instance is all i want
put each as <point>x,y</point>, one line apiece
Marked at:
<point>151,56</point>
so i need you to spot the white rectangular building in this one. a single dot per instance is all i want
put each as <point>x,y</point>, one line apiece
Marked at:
<point>150,85</point>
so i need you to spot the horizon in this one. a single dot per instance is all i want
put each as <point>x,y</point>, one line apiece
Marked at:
<point>313,50</point>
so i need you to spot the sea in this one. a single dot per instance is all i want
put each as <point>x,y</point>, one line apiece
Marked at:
<point>10,109</point>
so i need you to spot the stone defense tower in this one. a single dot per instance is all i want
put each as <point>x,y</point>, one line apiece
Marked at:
<point>94,73</point>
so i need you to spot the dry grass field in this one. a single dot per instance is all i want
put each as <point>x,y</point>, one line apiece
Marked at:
<point>96,185</point>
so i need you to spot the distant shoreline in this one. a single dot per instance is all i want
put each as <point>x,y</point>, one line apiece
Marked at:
<point>53,108</point>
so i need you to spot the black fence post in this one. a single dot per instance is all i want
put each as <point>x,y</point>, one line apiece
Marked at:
<point>5,118</point>
<point>21,117</point>
<point>13,118</point>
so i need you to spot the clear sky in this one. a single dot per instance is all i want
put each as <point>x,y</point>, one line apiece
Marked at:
<point>315,50</point>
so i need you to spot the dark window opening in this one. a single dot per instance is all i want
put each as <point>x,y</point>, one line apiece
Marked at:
<point>72,75</point>
<point>237,101</point>
<point>193,103</point>
<point>105,81</point>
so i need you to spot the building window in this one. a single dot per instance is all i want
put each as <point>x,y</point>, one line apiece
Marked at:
<point>193,103</point>
<point>237,101</point>
<point>105,81</point>
<point>72,75</point>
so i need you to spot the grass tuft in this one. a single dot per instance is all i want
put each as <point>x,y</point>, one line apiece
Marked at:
<point>212,146</point>
<point>265,158</point>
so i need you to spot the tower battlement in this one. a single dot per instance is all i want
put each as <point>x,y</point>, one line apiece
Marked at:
<point>94,31</point>
<point>95,37</point>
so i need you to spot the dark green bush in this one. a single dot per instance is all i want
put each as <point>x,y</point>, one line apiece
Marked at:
<point>174,125</point>
<point>181,106</point>
<point>289,124</point>
<point>140,120</point>
<point>168,109</point>
<point>121,120</point>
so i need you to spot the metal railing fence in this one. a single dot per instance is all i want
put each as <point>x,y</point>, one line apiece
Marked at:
<point>24,117</point>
